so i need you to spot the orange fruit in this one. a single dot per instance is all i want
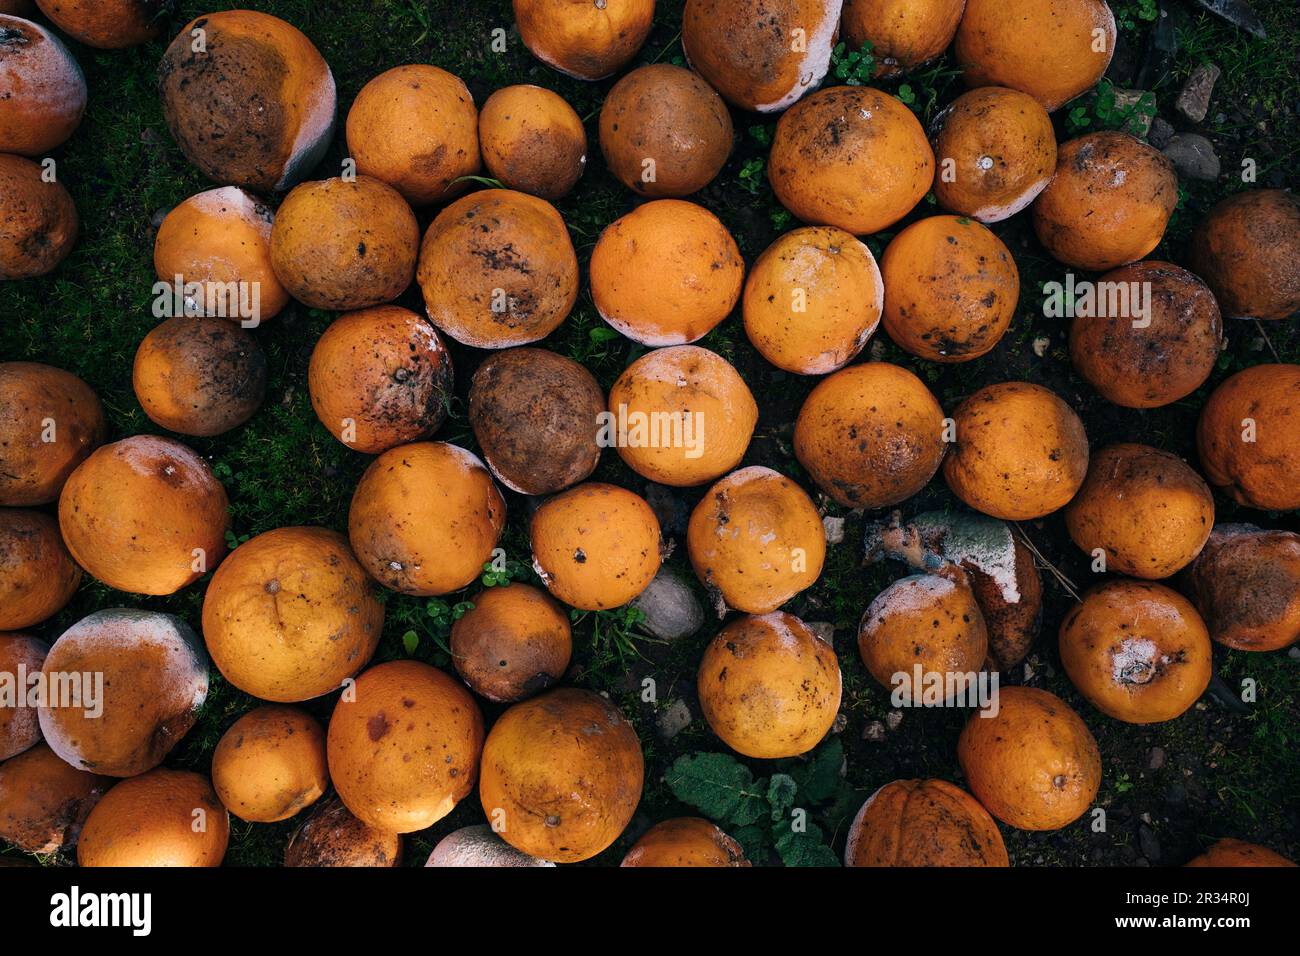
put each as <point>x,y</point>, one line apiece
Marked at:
<point>994,152</point>
<point>1108,203</point>
<point>951,289</point>
<point>852,157</point>
<point>666,273</point>
<point>1051,49</point>
<point>813,299</point>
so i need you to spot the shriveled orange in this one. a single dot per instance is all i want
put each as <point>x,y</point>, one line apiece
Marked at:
<point>1248,437</point>
<point>924,823</point>
<point>813,299</point>
<point>951,289</point>
<point>870,435</point>
<point>852,157</point>
<point>1108,203</point>
<point>994,152</point>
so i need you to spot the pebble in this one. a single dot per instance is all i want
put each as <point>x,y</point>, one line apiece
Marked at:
<point>893,719</point>
<point>673,719</point>
<point>1040,345</point>
<point>834,529</point>
<point>1162,131</point>
<point>874,731</point>
<point>823,629</point>
<point>1155,758</point>
<point>671,609</point>
<point>1194,100</point>
<point>1193,156</point>
<point>1149,843</point>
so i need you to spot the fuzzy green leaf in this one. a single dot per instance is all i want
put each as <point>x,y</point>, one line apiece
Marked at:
<point>719,786</point>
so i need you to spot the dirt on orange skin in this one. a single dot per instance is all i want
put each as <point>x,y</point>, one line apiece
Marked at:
<point>756,539</point>
<point>270,764</point>
<point>1020,452</point>
<point>951,289</point>
<point>416,128</point>
<point>291,614</point>
<point>380,378</point>
<point>1051,49</point>
<point>664,131</point>
<point>1160,358</point>
<point>38,220</point>
<point>1035,765</point>
<point>420,543</point>
<point>1248,437</point>
<point>345,244</point>
<point>870,435</point>
<point>533,141</point>
<point>514,642</point>
<point>497,269</point>
<point>769,687</point>
<point>1137,650</point>
<point>1147,510</point>
<point>924,823</point>
<point>852,157</point>
<point>256,107</point>
<point>1109,202</point>
<point>562,773</point>
<point>1246,584</point>
<point>995,151</point>
<point>536,416</point>
<point>1248,251</point>
<point>406,749</point>
<point>595,546</point>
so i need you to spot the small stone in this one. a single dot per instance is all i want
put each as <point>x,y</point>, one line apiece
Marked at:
<point>841,721</point>
<point>877,350</point>
<point>834,529</point>
<point>1040,345</point>
<point>1155,758</point>
<point>823,629</point>
<point>893,719</point>
<point>1162,131</point>
<point>1294,653</point>
<point>1029,673</point>
<point>1149,843</point>
<point>673,719</point>
<point>1193,156</point>
<point>671,609</point>
<point>874,731</point>
<point>1194,100</point>
<point>1141,107</point>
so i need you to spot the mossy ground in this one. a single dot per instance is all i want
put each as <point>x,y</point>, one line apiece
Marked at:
<point>1225,772</point>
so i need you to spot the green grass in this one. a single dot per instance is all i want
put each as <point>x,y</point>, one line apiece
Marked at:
<point>1238,772</point>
